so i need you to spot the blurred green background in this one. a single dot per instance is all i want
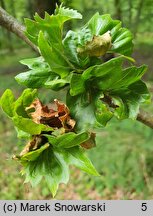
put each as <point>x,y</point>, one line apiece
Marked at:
<point>124,152</point>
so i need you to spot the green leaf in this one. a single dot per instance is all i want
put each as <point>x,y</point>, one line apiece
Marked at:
<point>71,42</point>
<point>21,134</point>
<point>121,111</point>
<point>138,94</point>
<point>122,40</point>
<point>68,140</point>
<point>109,68</point>
<point>80,160</point>
<point>83,110</point>
<point>57,84</point>
<point>7,102</point>
<point>32,170</point>
<point>130,99</point>
<point>52,25</point>
<point>102,112</point>
<point>68,13</point>
<point>140,88</point>
<point>26,98</point>
<point>28,126</point>
<point>35,63</point>
<point>40,75</point>
<point>33,155</point>
<point>11,107</point>
<point>77,84</point>
<point>52,165</point>
<point>54,57</point>
<point>130,75</point>
<point>70,46</point>
<point>35,78</point>
<point>32,30</point>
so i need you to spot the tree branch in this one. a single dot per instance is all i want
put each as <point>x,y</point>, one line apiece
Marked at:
<point>12,25</point>
<point>145,118</point>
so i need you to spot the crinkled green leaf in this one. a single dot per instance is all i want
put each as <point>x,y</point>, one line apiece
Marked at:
<point>35,78</point>
<point>77,84</point>
<point>52,165</point>
<point>85,112</point>
<point>130,75</point>
<point>102,112</point>
<point>68,13</point>
<point>22,134</point>
<point>35,63</point>
<point>138,94</point>
<point>71,42</point>
<point>28,126</point>
<point>70,45</point>
<point>51,25</point>
<point>109,68</point>
<point>140,88</point>
<point>26,98</point>
<point>54,57</point>
<point>33,155</point>
<point>130,99</point>
<point>11,107</point>
<point>56,84</point>
<point>7,102</point>
<point>40,75</point>
<point>68,140</point>
<point>121,40</point>
<point>122,110</point>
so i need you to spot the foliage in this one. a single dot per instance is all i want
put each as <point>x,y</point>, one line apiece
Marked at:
<point>97,90</point>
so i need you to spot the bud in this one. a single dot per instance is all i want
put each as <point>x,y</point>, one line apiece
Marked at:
<point>98,46</point>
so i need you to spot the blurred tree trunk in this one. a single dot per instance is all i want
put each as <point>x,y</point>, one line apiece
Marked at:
<point>7,33</point>
<point>30,8</point>
<point>138,16</point>
<point>45,5</point>
<point>130,13</point>
<point>118,14</point>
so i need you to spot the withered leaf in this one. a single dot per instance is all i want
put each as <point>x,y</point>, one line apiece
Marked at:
<point>32,145</point>
<point>90,143</point>
<point>54,118</point>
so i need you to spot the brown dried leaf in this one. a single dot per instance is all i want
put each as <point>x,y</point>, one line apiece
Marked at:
<point>90,143</point>
<point>32,145</point>
<point>54,118</point>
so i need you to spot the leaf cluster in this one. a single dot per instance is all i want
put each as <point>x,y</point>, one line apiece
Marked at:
<point>98,88</point>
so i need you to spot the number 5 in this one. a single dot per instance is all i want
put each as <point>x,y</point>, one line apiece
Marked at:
<point>144,207</point>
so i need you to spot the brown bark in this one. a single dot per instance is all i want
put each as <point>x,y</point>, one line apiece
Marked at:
<point>145,118</point>
<point>12,25</point>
